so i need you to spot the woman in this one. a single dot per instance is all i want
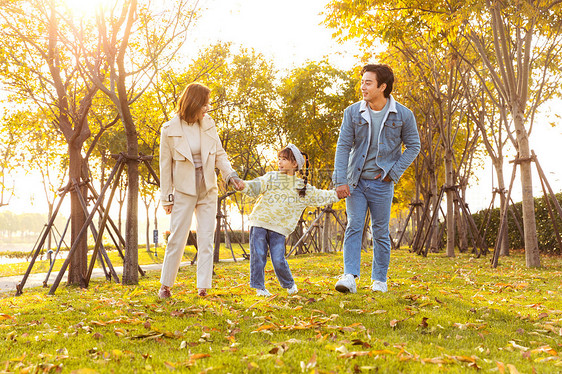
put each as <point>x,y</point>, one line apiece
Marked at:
<point>190,150</point>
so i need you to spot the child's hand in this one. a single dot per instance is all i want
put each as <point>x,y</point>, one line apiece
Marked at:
<point>238,184</point>
<point>343,191</point>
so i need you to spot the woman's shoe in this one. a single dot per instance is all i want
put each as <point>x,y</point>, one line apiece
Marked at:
<point>202,292</point>
<point>164,292</point>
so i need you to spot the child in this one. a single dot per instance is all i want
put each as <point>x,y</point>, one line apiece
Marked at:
<point>275,215</point>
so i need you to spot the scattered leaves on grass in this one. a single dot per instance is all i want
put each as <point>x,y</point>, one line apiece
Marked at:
<point>482,305</point>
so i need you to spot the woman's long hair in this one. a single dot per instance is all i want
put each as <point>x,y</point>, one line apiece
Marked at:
<point>289,155</point>
<point>192,100</point>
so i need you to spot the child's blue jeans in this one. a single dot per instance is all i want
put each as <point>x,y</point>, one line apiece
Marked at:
<point>260,240</point>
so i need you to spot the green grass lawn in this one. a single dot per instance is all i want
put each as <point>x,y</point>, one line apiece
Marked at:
<point>440,315</point>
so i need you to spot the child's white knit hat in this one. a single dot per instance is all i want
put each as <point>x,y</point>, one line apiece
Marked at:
<point>298,155</point>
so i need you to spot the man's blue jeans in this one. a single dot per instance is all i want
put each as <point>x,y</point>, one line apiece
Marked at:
<point>376,195</point>
<point>260,240</point>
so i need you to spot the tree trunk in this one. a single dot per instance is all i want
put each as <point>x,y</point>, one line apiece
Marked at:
<point>79,260</point>
<point>217,237</point>
<point>147,206</point>
<point>326,234</point>
<point>449,172</point>
<point>498,165</point>
<point>227,242</point>
<point>130,264</point>
<point>415,219</point>
<point>156,206</point>
<point>49,238</point>
<point>102,178</point>
<point>435,239</point>
<point>121,203</point>
<point>131,261</point>
<point>461,227</point>
<point>532,256</point>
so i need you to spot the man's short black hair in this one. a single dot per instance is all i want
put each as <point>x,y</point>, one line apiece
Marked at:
<point>384,75</point>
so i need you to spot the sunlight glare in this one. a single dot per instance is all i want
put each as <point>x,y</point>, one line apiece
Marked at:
<point>86,8</point>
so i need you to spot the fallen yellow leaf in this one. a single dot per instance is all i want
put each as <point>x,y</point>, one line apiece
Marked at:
<point>354,354</point>
<point>264,327</point>
<point>198,356</point>
<point>381,352</point>
<point>170,365</point>
<point>546,349</point>
<point>512,369</point>
<point>20,359</point>
<point>464,358</point>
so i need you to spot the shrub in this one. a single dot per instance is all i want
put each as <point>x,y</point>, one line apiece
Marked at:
<point>546,233</point>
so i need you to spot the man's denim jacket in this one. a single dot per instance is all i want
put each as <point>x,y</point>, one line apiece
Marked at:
<point>355,138</point>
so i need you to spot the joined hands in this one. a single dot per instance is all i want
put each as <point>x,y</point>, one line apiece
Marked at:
<point>237,183</point>
<point>343,191</point>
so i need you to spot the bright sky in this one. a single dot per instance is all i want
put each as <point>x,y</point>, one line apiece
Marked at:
<point>287,31</point>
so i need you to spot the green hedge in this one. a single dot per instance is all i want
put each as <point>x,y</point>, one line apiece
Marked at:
<point>545,231</point>
<point>235,236</point>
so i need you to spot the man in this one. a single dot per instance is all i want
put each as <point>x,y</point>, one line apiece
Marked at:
<point>368,162</point>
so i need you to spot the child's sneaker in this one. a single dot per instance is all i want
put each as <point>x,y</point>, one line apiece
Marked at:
<point>263,292</point>
<point>293,289</point>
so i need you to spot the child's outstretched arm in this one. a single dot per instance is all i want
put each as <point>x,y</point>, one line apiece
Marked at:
<point>318,197</point>
<point>255,187</point>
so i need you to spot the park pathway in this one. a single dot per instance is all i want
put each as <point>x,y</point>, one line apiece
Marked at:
<point>8,284</point>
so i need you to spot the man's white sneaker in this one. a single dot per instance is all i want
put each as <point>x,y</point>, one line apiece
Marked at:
<point>378,286</point>
<point>293,289</point>
<point>263,292</point>
<point>346,284</point>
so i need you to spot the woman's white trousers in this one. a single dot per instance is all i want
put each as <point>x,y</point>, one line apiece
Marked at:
<point>204,205</point>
